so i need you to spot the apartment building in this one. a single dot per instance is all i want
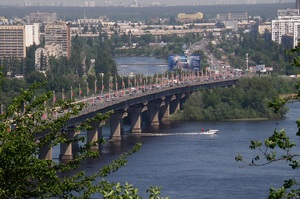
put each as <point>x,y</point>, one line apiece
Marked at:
<point>12,41</point>
<point>59,33</point>
<point>285,25</point>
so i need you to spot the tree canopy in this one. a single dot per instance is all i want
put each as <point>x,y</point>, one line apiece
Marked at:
<point>247,99</point>
<point>26,128</point>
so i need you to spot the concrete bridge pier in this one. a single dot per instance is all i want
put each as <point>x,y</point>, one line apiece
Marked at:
<point>75,144</point>
<point>99,129</point>
<point>136,119</point>
<point>66,153</point>
<point>46,152</point>
<point>46,149</point>
<point>94,134</point>
<point>116,120</point>
<point>165,112</point>
<point>153,113</point>
<point>175,104</point>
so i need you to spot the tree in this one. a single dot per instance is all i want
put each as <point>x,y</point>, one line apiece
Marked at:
<point>279,147</point>
<point>23,134</point>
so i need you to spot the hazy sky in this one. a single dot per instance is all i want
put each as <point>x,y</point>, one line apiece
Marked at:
<point>144,2</point>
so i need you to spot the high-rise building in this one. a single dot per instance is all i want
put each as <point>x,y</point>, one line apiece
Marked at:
<point>285,25</point>
<point>59,33</point>
<point>12,41</point>
<point>32,34</point>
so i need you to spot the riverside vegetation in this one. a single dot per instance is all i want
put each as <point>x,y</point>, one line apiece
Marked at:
<point>248,99</point>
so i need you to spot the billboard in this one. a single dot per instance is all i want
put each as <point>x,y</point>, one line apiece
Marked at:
<point>184,62</point>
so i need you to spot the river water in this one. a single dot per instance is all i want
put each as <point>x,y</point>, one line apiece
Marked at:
<point>140,65</point>
<point>186,164</point>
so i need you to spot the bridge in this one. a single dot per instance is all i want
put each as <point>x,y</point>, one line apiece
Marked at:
<point>153,107</point>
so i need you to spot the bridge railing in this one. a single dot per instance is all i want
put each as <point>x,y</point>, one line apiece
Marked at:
<point>92,106</point>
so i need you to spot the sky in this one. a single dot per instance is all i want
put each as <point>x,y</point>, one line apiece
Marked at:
<point>142,2</point>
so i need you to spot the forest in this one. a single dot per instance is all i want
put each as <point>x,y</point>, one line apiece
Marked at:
<point>248,99</point>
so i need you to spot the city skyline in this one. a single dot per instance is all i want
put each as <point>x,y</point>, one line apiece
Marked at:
<point>141,2</point>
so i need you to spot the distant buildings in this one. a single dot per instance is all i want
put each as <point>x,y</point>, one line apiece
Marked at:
<point>12,41</point>
<point>89,4</point>
<point>288,12</point>
<point>232,16</point>
<point>182,17</point>
<point>135,4</point>
<point>41,17</point>
<point>90,21</point>
<point>59,33</point>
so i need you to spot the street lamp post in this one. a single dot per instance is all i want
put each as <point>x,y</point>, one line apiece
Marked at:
<point>62,94</point>
<point>116,82</point>
<point>54,99</point>
<point>79,91</point>
<point>95,91</point>
<point>102,87</point>
<point>71,93</point>
<point>109,89</point>
<point>87,88</point>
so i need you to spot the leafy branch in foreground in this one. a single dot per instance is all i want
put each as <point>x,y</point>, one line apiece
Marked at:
<point>26,128</point>
<point>267,155</point>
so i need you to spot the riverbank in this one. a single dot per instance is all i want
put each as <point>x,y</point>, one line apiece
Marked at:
<point>248,100</point>
<point>178,117</point>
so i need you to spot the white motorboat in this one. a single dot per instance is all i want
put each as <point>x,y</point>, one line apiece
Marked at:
<point>209,132</point>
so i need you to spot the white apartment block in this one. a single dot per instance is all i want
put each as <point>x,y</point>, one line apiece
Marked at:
<point>296,35</point>
<point>285,26</point>
<point>32,34</point>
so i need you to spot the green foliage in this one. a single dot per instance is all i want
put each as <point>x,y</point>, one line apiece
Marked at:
<point>260,49</point>
<point>250,98</point>
<point>24,132</point>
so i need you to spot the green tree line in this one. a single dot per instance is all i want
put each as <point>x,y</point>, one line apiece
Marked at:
<point>247,99</point>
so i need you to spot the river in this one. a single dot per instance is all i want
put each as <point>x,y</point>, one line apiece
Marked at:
<point>140,65</point>
<point>186,164</point>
